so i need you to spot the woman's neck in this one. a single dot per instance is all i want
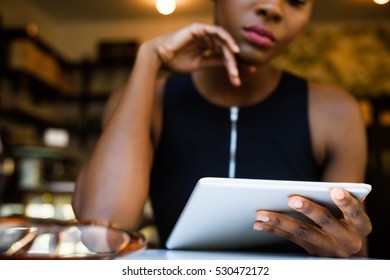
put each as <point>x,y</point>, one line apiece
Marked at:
<point>257,83</point>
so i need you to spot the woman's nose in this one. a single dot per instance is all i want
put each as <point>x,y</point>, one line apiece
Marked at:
<point>270,9</point>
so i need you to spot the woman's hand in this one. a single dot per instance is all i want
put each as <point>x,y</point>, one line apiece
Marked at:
<point>331,236</point>
<point>198,46</point>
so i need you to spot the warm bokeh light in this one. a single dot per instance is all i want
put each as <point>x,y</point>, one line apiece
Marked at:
<point>381,2</point>
<point>165,7</point>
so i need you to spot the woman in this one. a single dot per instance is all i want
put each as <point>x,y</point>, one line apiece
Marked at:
<point>159,142</point>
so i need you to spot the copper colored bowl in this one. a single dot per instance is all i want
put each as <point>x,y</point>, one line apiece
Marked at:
<point>31,238</point>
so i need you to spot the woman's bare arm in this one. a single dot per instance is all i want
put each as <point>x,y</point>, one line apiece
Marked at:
<point>114,185</point>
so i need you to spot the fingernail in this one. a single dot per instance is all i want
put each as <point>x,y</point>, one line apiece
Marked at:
<point>236,81</point>
<point>339,194</point>
<point>258,227</point>
<point>263,218</point>
<point>234,72</point>
<point>297,203</point>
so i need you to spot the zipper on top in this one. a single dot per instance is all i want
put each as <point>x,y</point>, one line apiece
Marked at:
<point>233,141</point>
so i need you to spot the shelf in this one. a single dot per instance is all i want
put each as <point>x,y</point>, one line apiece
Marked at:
<point>38,89</point>
<point>101,96</point>
<point>17,33</point>
<point>23,116</point>
<point>30,56</point>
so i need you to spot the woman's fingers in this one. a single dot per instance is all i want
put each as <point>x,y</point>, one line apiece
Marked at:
<point>231,66</point>
<point>325,234</point>
<point>306,245</point>
<point>218,32</point>
<point>301,233</point>
<point>199,45</point>
<point>352,210</point>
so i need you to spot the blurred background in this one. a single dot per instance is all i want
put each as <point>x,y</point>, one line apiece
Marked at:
<point>60,61</point>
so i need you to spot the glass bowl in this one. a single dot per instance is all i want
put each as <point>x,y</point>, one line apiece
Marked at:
<point>33,238</point>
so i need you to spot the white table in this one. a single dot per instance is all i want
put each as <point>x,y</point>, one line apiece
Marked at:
<point>161,254</point>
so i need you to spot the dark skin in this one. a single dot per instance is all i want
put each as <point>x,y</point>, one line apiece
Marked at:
<point>229,68</point>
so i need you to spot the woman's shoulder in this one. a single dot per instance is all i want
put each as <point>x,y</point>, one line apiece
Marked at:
<point>336,122</point>
<point>332,101</point>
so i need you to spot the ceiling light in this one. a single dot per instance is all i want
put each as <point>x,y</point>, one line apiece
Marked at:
<point>165,7</point>
<point>381,2</point>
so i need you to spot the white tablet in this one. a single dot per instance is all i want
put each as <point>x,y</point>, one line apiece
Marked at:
<point>221,211</point>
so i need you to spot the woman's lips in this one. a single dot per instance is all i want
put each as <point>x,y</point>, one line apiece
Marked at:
<point>259,35</point>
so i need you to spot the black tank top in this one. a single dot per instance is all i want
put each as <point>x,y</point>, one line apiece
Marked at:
<point>273,142</point>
